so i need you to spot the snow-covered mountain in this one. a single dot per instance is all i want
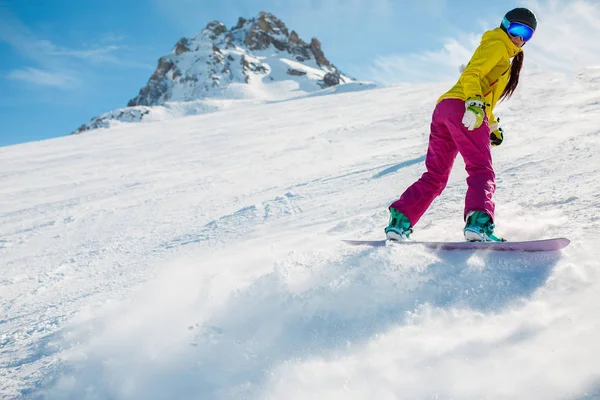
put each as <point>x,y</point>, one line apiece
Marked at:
<point>207,263</point>
<point>257,60</point>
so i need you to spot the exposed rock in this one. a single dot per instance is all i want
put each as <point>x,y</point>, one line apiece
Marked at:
<point>331,79</point>
<point>216,28</point>
<point>267,30</point>
<point>125,115</point>
<point>240,23</point>
<point>295,72</point>
<point>295,39</point>
<point>249,65</point>
<point>315,46</point>
<point>182,46</point>
<point>164,66</point>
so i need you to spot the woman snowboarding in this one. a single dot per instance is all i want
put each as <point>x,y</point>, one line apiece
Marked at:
<point>463,122</point>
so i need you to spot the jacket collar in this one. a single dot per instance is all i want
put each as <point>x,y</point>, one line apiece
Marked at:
<point>499,34</point>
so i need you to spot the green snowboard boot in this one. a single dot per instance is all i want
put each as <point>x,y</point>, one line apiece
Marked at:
<point>480,228</point>
<point>399,227</point>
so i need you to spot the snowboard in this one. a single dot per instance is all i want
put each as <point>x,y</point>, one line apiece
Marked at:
<point>530,245</point>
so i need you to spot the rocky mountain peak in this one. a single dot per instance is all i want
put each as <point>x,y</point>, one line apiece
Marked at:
<point>178,76</point>
<point>265,30</point>
<point>215,28</point>
<point>260,53</point>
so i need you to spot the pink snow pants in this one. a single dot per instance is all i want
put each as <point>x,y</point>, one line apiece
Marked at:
<point>448,138</point>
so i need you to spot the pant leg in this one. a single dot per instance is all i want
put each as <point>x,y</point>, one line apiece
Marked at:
<point>475,148</point>
<point>441,154</point>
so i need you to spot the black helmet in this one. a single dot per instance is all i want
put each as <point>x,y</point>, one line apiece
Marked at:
<point>522,15</point>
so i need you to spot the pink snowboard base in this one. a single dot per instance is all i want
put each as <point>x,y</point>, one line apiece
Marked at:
<point>530,245</point>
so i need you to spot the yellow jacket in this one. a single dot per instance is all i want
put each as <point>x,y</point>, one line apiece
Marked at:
<point>487,73</point>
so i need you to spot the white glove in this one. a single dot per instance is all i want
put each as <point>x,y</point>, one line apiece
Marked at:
<point>474,113</point>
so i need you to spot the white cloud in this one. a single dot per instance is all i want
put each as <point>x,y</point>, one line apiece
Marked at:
<point>425,66</point>
<point>566,40</point>
<point>112,37</point>
<point>97,54</point>
<point>54,65</point>
<point>43,77</point>
<point>567,36</point>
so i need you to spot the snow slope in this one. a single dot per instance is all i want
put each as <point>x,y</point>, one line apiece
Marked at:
<point>200,258</point>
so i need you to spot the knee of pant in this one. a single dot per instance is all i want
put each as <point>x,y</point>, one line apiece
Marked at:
<point>437,182</point>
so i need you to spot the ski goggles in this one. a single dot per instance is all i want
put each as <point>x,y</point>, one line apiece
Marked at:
<point>518,29</point>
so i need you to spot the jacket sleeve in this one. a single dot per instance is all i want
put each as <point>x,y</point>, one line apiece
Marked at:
<point>491,117</point>
<point>486,57</point>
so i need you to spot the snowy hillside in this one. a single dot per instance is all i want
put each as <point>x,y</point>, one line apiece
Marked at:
<point>200,258</point>
<point>257,60</point>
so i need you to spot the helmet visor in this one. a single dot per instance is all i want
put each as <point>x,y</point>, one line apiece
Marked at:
<point>518,29</point>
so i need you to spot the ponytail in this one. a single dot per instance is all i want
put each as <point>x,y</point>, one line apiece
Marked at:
<point>513,81</point>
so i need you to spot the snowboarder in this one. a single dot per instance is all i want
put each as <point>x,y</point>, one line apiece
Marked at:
<point>460,125</point>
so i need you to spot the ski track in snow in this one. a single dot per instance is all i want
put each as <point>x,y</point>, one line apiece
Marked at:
<point>201,257</point>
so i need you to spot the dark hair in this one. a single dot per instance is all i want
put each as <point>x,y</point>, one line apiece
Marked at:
<point>513,81</point>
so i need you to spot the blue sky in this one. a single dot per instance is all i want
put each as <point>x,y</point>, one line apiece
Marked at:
<point>66,61</point>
